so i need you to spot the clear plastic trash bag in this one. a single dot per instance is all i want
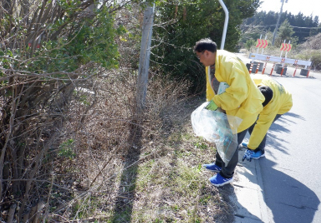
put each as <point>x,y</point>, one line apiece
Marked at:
<point>218,128</point>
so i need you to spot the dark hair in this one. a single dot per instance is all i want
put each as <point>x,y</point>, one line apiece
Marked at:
<point>267,93</point>
<point>205,44</point>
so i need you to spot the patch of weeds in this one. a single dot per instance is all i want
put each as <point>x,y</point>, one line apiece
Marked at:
<point>205,199</point>
<point>199,167</point>
<point>175,207</point>
<point>192,216</point>
<point>77,211</point>
<point>83,100</point>
<point>187,179</point>
<point>52,208</point>
<point>204,146</point>
<point>165,219</point>
<point>181,153</point>
<point>175,139</point>
<point>187,136</point>
<point>129,178</point>
<point>200,145</point>
<point>123,215</point>
<point>86,207</point>
<point>66,149</point>
<point>144,174</point>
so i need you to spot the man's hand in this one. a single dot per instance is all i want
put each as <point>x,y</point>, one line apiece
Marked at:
<point>248,155</point>
<point>211,106</point>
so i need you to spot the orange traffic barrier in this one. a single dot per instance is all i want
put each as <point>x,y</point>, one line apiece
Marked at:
<point>250,70</point>
<point>282,70</point>
<point>264,68</point>
<point>257,67</point>
<point>296,67</point>
<point>272,69</point>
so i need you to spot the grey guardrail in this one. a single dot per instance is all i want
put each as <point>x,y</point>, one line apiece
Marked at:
<point>256,56</point>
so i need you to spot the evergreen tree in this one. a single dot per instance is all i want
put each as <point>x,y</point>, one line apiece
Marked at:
<point>303,26</point>
<point>189,21</point>
<point>285,33</point>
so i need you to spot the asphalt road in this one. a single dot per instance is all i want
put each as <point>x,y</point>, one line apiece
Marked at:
<point>291,169</point>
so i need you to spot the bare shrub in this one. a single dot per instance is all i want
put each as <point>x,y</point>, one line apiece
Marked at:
<point>313,42</point>
<point>310,50</point>
<point>50,52</point>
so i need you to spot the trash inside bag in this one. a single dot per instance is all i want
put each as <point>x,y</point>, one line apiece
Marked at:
<point>218,128</point>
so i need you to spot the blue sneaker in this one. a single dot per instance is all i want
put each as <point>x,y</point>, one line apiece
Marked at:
<point>212,167</point>
<point>217,180</point>
<point>257,155</point>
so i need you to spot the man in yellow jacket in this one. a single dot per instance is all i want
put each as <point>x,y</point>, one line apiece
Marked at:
<point>277,102</point>
<point>241,98</point>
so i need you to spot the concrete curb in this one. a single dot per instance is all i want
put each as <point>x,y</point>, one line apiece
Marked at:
<point>248,196</point>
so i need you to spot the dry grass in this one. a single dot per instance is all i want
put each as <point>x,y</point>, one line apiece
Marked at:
<point>125,169</point>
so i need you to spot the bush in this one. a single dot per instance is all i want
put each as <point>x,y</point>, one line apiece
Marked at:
<point>46,55</point>
<point>316,60</point>
<point>180,25</point>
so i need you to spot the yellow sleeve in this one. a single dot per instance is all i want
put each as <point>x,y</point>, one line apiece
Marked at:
<point>263,124</point>
<point>209,91</point>
<point>237,92</point>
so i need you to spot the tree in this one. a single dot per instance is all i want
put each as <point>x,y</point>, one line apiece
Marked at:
<point>299,22</point>
<point>181,24</point>
<point>285,33</point>
<point>251,35</point>
<point>249,43</point>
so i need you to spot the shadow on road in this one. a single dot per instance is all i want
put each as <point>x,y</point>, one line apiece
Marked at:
<point>292,115</point>
<point>276,128</point>
<point>288,199</point>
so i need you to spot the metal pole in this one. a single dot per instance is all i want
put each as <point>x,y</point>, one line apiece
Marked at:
<point>263,48</point>
<point>225,24</point>
<point>282,50</point>
<point>144,58</point>
<point>277,24</point>
<point>257,50</point>
<point>286,53</point>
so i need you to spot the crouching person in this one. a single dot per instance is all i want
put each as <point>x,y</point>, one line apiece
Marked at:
<point>277,102</point>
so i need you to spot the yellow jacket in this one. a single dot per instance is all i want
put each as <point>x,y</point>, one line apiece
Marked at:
<point>242,98</point>
<point>280,103</point>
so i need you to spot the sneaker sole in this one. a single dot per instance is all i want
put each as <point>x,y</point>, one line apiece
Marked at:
<point>256,158</point>
<point>219,185</point>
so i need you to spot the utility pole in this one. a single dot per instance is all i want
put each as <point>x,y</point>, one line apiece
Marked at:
<point>277,24</point>
<point>144,58</point>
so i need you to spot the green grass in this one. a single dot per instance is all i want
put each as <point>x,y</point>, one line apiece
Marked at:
<point>174,182</point>
<point>168,184</point>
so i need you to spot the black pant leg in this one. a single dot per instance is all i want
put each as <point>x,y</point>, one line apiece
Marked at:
<point>228,171</point>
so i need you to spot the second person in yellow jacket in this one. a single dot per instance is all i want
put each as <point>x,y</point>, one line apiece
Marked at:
<point>277,102</point>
